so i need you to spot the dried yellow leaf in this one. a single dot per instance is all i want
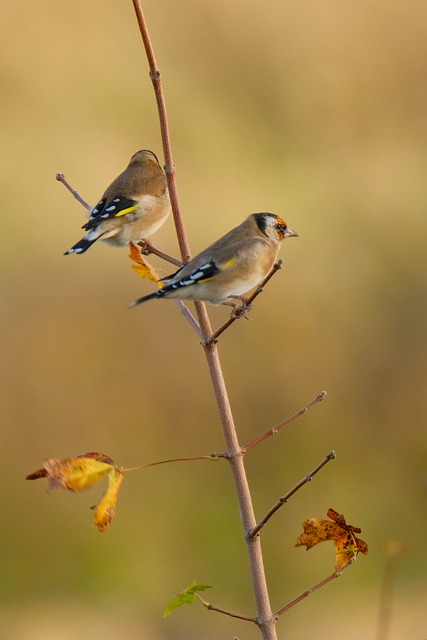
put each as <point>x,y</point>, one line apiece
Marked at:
<point>106,509</point>
<point>347,544</point>
<point>75,474</point>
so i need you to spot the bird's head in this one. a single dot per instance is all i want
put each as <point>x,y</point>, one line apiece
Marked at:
<point>143,156</point>
<point>273,226</point>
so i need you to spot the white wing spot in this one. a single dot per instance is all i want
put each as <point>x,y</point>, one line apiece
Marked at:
<point>197,275</point>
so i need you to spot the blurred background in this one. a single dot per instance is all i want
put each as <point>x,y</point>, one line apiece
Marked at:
<point>315,111</point>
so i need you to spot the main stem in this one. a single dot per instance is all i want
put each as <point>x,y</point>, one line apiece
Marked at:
<point>266,622</point>
<point>265,619</point>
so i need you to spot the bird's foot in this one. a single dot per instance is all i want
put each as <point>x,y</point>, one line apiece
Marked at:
<point>240,310</point>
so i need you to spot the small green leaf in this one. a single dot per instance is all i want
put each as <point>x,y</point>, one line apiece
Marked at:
<point>178,601</point>
<point>185,597</point>
<point>198,587</point>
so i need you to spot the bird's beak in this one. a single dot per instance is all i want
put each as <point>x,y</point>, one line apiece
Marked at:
<point>290,232</point>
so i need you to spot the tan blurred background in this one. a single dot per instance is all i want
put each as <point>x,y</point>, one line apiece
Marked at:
<point>315,111</point>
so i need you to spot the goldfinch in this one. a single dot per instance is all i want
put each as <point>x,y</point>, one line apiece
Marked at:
<point>231,266</point>
<point>134,206</point>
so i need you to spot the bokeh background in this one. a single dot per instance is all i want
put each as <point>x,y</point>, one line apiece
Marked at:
<point>313,110</point>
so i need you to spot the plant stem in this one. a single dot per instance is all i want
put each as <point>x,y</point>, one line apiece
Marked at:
<point>233,614</point>
<point>164,130</point>
<point>155,464</point>
<point>283,500</point>
<point>214,337</point>
<point>265,619</point>
<point>273,430</point>
<point>319,585</point>
<point>335,574</point>
<point>61,178</point>
<point>146,247</point>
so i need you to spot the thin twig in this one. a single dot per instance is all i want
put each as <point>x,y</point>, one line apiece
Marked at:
<point>164,130</point>
<point>146,247</point>
<point>283,500</point>
<point>155,464</point>
<point>226,612</point>
<point>273,430</point>
<point>235,316</point>
<point>335,574</point>
<point>189,316</point>
<point>61,178</point>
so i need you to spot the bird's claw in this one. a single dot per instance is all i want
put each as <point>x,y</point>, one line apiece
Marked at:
<point>241,311</point>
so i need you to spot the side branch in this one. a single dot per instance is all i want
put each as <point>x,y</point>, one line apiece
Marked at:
<point>61,178</point>
<point>235,316</point>
<point>335,574</point>
<point>273,430</point>
<point>211,607</point>
<point>146,248</point>
<point>190,318</point>
<point>211,456</point>
<point>283,500</point>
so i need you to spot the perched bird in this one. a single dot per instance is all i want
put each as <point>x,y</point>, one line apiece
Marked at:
<point>232,265</point>
<point>134,206</point>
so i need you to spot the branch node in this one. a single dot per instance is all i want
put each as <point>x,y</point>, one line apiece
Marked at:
<point>215,455</point>
<point>169,168</point>
<point>147,248</point>
<point>208,343</point>
<point>155,74</point>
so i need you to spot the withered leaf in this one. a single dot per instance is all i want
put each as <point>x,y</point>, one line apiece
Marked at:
<point>347,544</point>
<point>143,268</point>
<point>81,472</point>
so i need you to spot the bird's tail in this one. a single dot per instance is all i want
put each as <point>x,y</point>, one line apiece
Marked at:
<point>151,296</point>
<point>86,242</point>
<point>80,247</point>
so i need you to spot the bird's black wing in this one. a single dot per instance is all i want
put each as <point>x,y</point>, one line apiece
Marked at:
<point>118,206</point>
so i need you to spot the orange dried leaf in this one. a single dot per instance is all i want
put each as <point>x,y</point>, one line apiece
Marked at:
<point>146,271</point>
<point>106,509</point>
<point>143,268</point>
<point>135,253</point>
<point>347,544</point>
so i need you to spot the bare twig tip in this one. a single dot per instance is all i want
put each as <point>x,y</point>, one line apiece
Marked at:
<point>59,176</point>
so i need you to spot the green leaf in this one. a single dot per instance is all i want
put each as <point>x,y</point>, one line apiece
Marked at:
<point>185,597</point>
<point>198,587</point>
